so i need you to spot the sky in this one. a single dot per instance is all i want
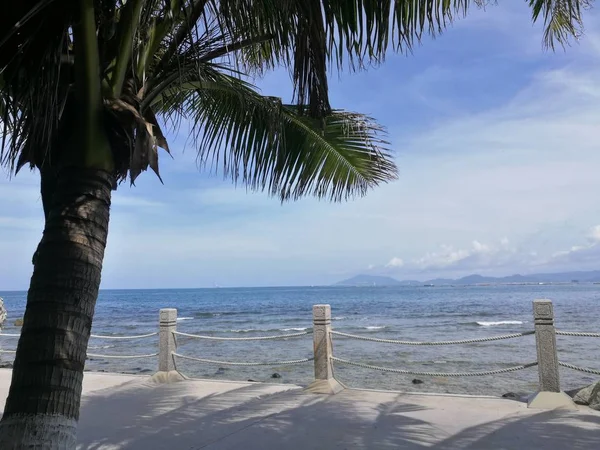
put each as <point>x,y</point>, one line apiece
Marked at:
<point>496,140</point>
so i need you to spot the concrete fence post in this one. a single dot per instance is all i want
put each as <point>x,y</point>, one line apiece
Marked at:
<point>167,345</point>
<point>324,383</point>
<point>545,341</point>
<point>549,395</point>
<point>322,342</point>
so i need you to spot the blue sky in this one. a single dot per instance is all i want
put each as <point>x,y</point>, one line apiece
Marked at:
<point>497,144</point>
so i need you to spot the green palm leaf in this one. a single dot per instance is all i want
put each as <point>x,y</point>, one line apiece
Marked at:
<point>562,19</point>
<point>309,36</point>
<point>270,146</point>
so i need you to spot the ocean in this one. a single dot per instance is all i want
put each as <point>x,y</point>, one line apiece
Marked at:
<point>406,313</point>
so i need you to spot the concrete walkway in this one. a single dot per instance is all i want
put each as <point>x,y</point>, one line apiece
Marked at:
<point>131,412</point>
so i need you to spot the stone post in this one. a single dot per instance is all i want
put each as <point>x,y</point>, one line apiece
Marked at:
<point>549,395</point>
<point>167,345</point>
<point>324,382</point>
<point>322,342</point>
<point>545,341</point>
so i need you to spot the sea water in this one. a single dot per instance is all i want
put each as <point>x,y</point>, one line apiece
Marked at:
<point>404,313</point>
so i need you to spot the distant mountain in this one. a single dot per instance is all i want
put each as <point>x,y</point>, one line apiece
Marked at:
<point>561,277</point>
<point>439,281</point>
<point>372,280</point>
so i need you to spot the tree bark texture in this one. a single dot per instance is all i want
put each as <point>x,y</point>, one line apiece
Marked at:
<point>42,408</point>
<point>48,181</point>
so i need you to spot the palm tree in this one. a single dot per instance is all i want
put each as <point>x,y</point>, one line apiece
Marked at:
<point>86,87</point>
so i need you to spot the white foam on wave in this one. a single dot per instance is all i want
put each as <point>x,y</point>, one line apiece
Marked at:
<point>295,329</point>
<point>339,318</point>
<point>184,318</point>
<point>375,327</point>
<point>500,322</point>
<point>99,347</point>
<point>247,330</point>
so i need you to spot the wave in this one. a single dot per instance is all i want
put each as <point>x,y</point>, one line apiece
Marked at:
<point>449,315</point>
<point>500,322</point>
<point>270,330</point>
<point>184,318</point>
<point>375,327</point>
<point>339,318</point>
<point>210,315</point>
<point>99,347</point>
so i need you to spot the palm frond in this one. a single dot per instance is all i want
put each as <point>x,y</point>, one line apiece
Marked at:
<point>33,36</point>
<point>346,155</point>
<point>182,62</point>
<point>269,146</point>
<point>562,19</point>
<point>310,36</point>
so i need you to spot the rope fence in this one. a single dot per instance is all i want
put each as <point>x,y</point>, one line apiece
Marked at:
<point>247,364</point>
<point>139,336</point>
<point>96,355</point>
<point>322,336</point>
<point>435,374</point>
<point>250,338</point>
<point>577,333</point>
<point>98,336</point>
<point>463,341</point>
<point>580,369</point>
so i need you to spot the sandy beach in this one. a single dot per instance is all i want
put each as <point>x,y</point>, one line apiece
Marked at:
<point>133,412</point>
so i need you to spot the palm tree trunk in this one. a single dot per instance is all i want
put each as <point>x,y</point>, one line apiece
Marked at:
<point>42,408</point>
<point>48,182</point>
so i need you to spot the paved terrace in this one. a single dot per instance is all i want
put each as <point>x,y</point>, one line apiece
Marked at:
<point>133,412</point>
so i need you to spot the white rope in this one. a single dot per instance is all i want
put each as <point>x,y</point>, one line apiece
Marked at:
<point>258,338</point>
<point>98,336</point>
<point>435,374</point>
<point>229,363</point>
<point>8,351</point>
<point>95,355</point>
<point>581,369</point>
<point>139,336</point>
<point>464,341</point>
<point>577,333</point>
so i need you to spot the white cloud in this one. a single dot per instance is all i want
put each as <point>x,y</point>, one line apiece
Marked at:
<point>486,257</point>
<point>595,234</point>
<point>395,262</point>
<point>476,255</point>
<point>581,256</point>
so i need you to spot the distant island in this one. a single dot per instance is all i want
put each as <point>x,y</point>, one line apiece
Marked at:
<point>561,277</point>
<point>370,280</point>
